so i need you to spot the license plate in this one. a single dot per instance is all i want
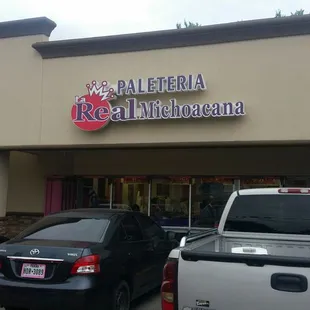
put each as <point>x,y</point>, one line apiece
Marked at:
<point>33,271</point>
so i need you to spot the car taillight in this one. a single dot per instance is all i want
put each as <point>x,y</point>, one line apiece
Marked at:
<point>169,286</point>
<point>86,265</point>
<point>294,190</point>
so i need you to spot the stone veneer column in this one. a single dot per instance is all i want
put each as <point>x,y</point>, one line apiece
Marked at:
<point>4,177</point>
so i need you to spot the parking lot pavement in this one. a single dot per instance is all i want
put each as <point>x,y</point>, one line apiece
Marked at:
<point>148,302</point>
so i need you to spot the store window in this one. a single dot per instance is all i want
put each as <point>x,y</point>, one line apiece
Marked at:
<point>170,200</point>
<point>257,182</point>
<point>84,190</point>
<point>96,192</point>
<point>209,196</point>
<point>102,188</point>
<point>131,193</point>
<point>296,182</point>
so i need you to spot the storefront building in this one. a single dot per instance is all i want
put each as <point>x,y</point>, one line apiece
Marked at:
<point>170,122</point>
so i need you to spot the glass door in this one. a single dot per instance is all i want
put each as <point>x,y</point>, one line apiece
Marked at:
<point>131,192</point>
<point>170,200</point>
<point>209,197</point>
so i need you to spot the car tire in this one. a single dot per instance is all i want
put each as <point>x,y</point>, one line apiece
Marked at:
<point>121,297</point>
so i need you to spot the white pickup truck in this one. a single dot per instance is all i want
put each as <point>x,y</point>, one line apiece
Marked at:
<point>257,259</point>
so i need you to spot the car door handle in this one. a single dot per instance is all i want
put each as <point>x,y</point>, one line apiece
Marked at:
<point>287,282</point>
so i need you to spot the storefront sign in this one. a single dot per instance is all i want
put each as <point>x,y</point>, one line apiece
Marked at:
<point>261,181</point>
<point>222,180</point>
<point>179,180</point>
<point>135,180</point>
<point>157,85</point>
<point>94,110</point>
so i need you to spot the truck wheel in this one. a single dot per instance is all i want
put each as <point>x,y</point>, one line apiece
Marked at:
<point>121,297</point>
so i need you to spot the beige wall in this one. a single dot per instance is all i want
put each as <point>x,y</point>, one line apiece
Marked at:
<point>271,76</point>
<point>21,91</point>
<point>26,191</point>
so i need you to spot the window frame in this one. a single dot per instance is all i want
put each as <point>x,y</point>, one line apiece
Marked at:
<point>122,226</point>
<point>154,223</point>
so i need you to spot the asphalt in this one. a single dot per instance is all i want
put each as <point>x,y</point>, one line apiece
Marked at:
<point>150,301</point>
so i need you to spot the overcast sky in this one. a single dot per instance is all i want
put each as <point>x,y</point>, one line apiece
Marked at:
<point>90,18</point>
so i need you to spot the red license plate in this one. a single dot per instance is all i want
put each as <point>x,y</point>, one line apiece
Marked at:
<point>33,271</point>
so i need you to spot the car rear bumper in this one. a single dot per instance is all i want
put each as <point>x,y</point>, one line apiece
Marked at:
<point>77,293</point>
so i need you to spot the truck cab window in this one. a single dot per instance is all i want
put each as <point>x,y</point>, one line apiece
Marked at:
<point>281,214</point>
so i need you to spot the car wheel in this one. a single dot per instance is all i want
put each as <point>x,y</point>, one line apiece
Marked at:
<point>121,297</point>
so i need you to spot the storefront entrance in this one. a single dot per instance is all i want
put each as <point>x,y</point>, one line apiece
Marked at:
<point>178,201</point>
<point>176,187</point>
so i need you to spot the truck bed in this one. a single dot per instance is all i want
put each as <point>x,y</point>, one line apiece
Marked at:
<point>251,246</point>
<point>238,272</point>
<point>258,258</point>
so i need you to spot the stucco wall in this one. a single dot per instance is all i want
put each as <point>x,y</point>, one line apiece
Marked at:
<point>21,91</point>
<point>26,191</point>
<point>270,76</point>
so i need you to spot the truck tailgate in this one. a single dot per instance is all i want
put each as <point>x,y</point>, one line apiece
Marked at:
<point>242,282</point>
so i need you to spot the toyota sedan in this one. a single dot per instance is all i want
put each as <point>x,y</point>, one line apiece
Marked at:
<point>83,259</point>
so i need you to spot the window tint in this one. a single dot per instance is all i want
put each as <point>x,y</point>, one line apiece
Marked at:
<point>284,214</point>
<point>150,228</point>
<point>132,229</point>
<point>122,233</point>
<point>64,228</point>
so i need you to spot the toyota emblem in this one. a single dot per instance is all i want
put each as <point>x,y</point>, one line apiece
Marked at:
<point>34,252</point>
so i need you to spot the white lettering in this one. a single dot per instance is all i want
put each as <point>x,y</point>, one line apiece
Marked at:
<point>170,84</point>
<point>152,110</point>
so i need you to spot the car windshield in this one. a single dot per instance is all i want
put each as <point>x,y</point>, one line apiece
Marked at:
<point>67,229</point>
<point>282,214</point>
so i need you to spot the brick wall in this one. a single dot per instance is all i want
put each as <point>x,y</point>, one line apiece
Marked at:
<point>13,224</point>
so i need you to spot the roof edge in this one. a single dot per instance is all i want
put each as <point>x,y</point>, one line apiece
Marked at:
<point>205,35</point>
<point>27,27</point>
